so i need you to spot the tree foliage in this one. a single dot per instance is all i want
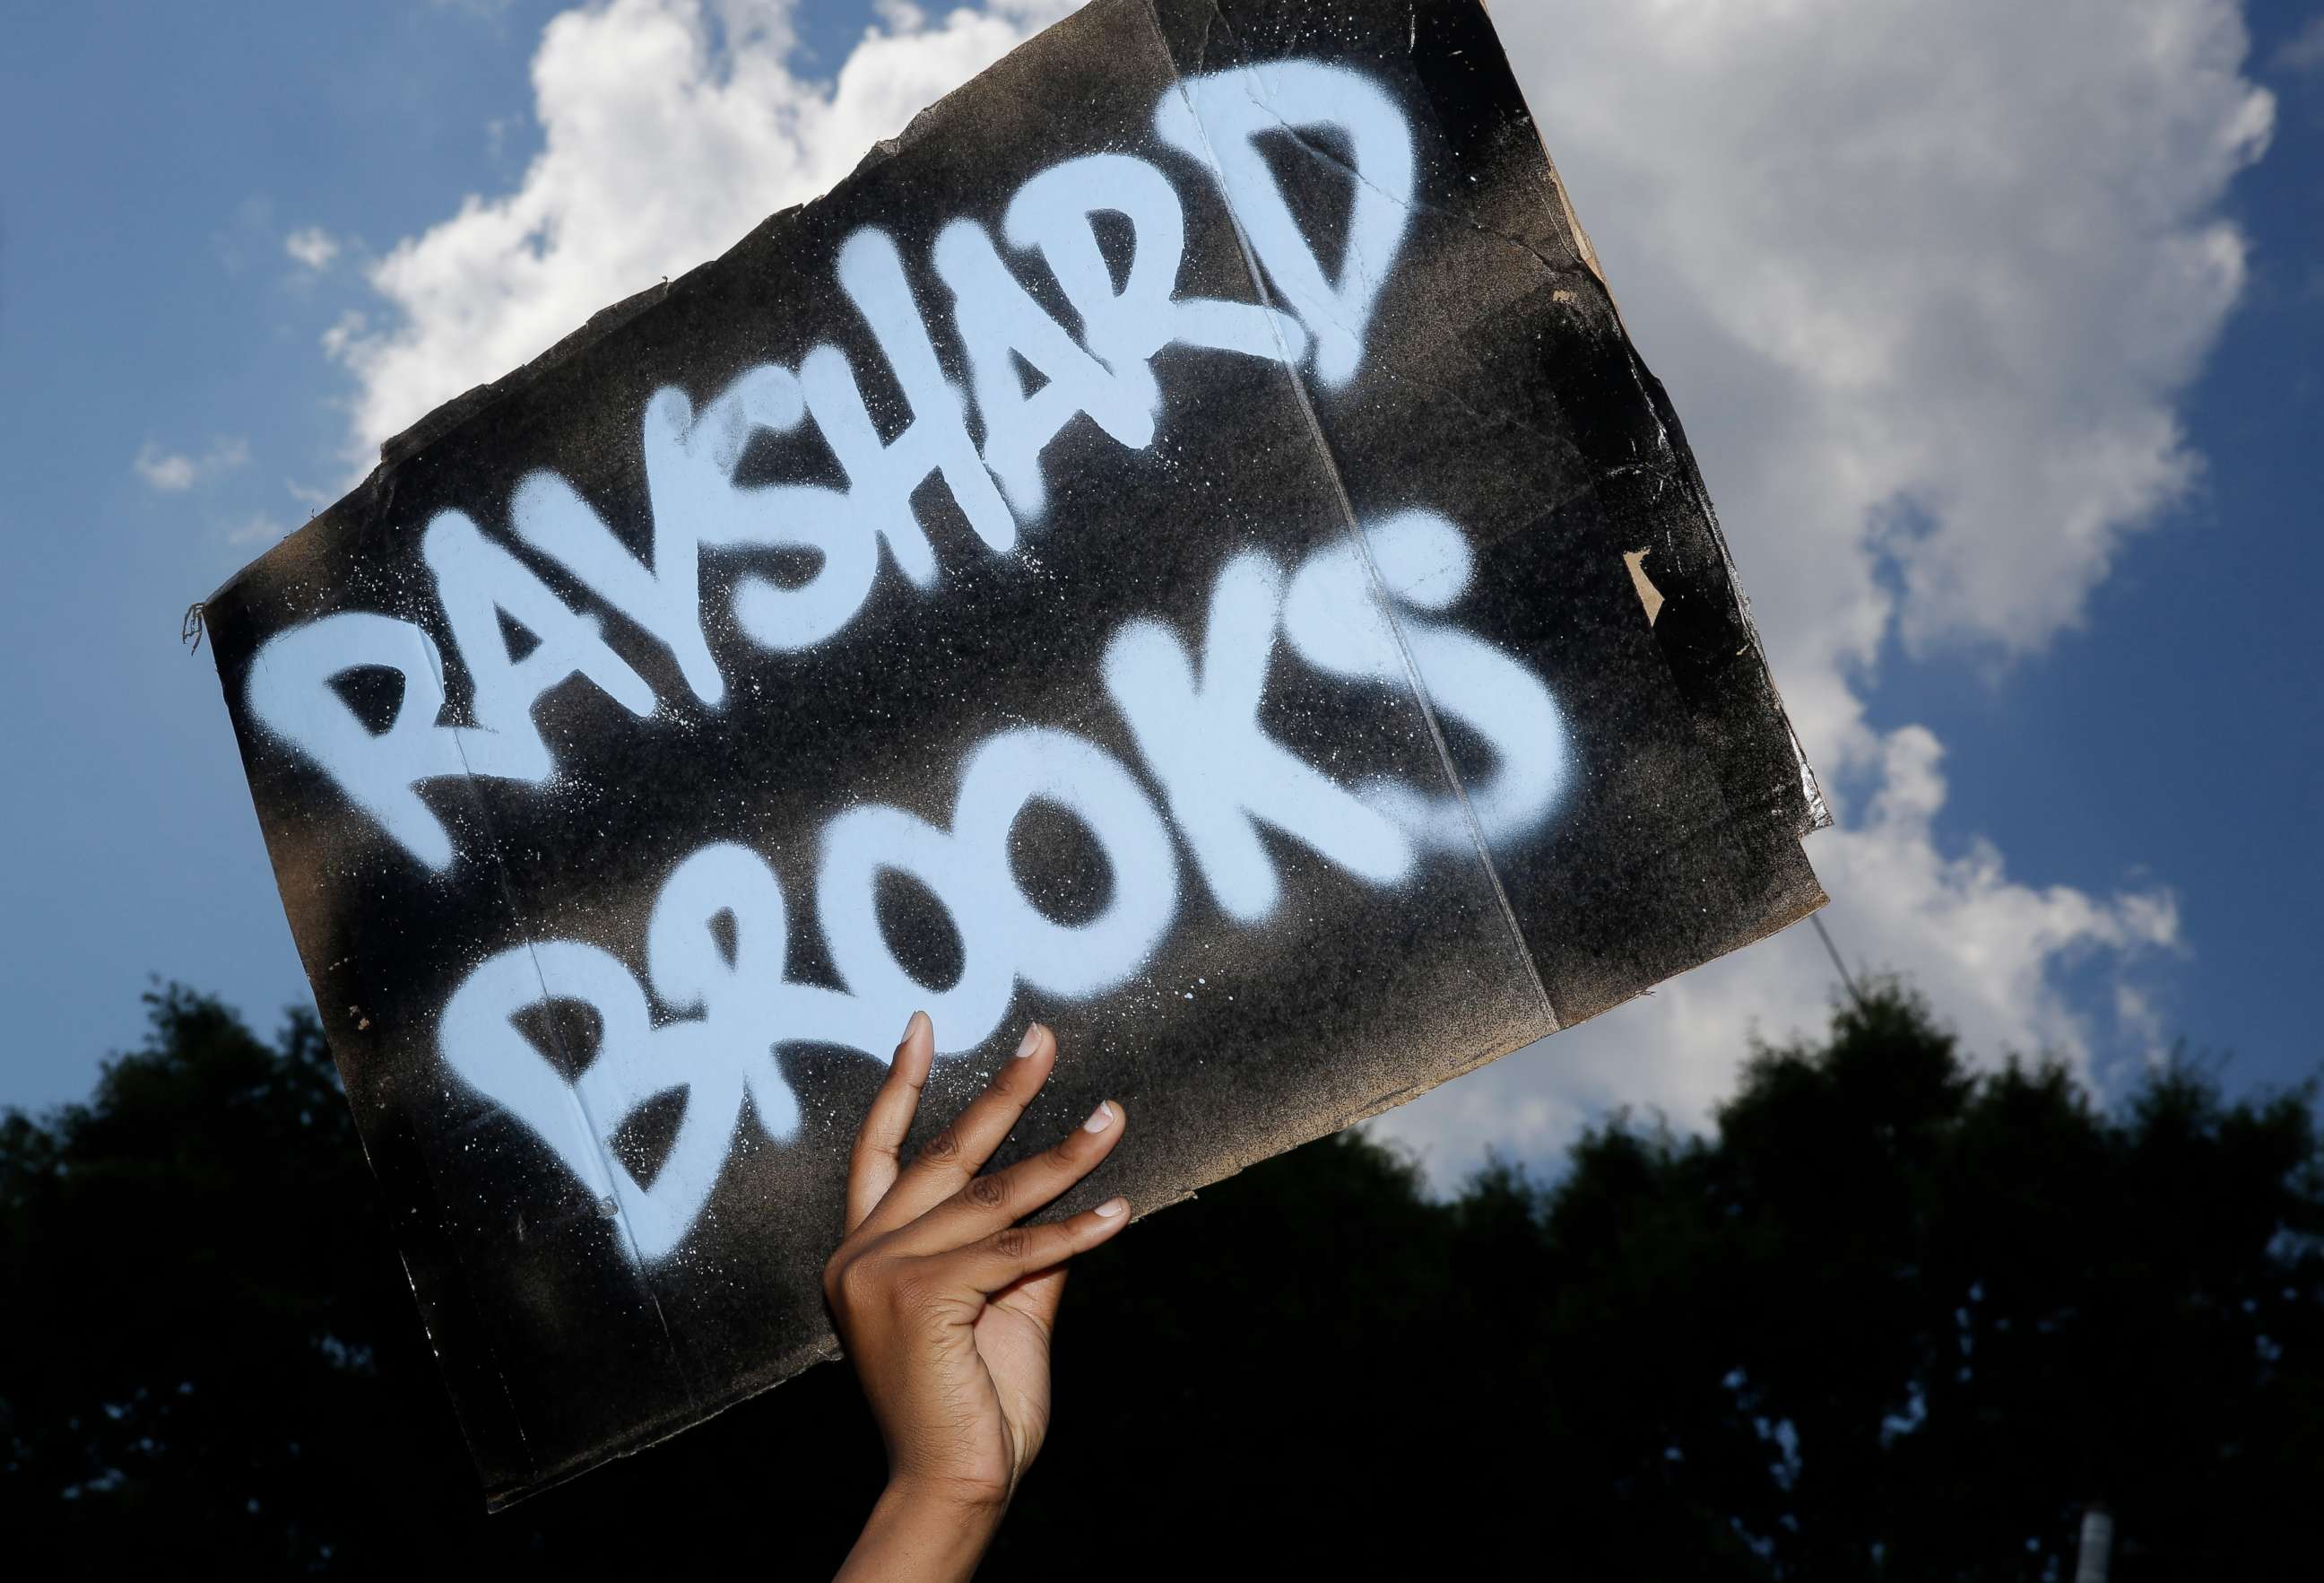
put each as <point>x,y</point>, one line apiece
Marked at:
<point>1897,1318</point>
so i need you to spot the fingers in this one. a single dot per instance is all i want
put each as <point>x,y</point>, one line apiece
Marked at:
<point>1013,1254</point>
<point>956,1154</point>
<point>985,1204</point>
<point>873,1168</point>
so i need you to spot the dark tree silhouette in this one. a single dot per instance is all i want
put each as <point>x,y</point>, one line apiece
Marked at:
<point>1896,1319</point>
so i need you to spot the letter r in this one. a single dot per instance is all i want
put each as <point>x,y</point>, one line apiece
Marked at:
<point>290,693</point>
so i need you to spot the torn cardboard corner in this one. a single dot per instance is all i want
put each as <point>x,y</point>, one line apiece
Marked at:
<point>1159,549</point>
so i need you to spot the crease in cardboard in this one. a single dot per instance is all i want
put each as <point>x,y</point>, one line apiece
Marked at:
<point>497,855</point>
<point>1352,529</point>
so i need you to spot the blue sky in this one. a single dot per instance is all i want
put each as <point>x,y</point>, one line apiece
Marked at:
<point>2158,735</point>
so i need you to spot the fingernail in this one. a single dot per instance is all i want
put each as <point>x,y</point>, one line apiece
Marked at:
<point>1113,1208</point>
<point>1032,1037</point>
<point>913,1026</point>
<point>1100,1119</point>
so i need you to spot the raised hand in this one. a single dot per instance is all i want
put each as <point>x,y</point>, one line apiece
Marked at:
<point>946,1304</point>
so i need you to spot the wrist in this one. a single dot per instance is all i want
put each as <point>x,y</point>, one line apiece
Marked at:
<point>922,1530</point>
<point>963,1499</point>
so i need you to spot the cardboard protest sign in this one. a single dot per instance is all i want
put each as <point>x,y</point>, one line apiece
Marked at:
<point>1178,545</point>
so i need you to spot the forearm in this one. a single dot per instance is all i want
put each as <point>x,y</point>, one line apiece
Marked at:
<point>913,1537</point>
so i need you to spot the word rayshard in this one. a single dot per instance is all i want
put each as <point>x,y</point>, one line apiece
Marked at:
<point>1178,545</point>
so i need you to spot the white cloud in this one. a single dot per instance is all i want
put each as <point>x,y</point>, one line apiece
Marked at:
<point>1926,283</point>
<point>350,330</point>
<point>175,472</point>
<point>1957,259</point>
<point>313,248</point>
<point>660,151</point>
<point>2304,51</point>
<point>166,471</point>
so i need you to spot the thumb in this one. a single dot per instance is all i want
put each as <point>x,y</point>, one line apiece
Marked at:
<point>1036,1297</point>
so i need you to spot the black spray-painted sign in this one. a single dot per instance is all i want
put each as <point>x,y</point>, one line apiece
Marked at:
<point>1177,545</point>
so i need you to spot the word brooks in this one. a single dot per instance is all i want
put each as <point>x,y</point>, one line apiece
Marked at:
<point>691,456</point>
<point>716,946</point>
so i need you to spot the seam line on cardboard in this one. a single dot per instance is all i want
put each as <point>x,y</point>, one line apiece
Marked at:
<point>532,947</point>
<point>1354,532</point>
